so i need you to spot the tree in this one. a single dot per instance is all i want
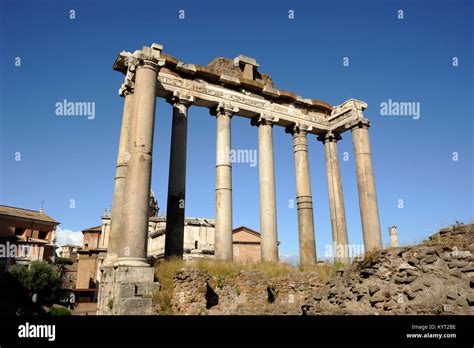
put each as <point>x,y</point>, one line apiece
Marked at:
<point>40,279</point>
<point>60,264</point>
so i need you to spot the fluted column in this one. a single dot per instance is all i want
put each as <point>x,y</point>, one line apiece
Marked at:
<point>133,244</point>
<point>223,222</point>
<point>369,212</point>
<point>268,219</point>
<point>304,199</point>
<point>120,175</point>
<point>336,198</point>
<point>175,212</point>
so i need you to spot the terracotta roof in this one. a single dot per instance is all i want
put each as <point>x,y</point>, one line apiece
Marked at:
<point>249,230</point>
<point>26,214</point>
<point>93,229</point>
<point>243,228</point>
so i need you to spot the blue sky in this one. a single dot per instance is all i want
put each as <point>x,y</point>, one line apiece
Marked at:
<point>405,60</point>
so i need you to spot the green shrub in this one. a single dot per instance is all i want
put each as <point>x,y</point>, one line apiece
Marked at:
<point>59,311</point>
<point>40,279</point>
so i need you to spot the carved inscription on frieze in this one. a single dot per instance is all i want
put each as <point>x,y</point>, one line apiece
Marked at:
<point>202,88</point>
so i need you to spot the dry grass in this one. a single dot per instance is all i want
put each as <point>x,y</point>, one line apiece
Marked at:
<point>165,272</point>
<point>226,269</point>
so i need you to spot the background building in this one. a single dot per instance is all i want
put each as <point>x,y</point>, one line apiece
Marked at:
<point>69,251</point>
<point>198,243</point>
<point>25,236</point>
<point>246,243</point>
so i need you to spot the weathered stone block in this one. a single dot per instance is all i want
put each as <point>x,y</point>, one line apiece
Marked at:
<point>136,306</point>
<point>134,274</point>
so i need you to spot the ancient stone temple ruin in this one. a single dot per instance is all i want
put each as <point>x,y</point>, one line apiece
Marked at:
<point>227,88</point>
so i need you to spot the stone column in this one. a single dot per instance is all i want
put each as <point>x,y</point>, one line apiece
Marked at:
<point>133,245</point>
<point>175,214</point>
<point>392,230</point>
<point>268,219</point>
<point>366,185</point>
<point>336,198</point>
<point>304,199</point>
<point>223,230</point>
<point>120,175</point>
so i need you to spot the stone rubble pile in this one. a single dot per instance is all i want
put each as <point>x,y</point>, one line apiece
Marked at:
<point>434,277</point>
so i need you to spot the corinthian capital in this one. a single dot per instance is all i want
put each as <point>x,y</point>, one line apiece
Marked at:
<point>179,98</point>
<point>224,109</point>
<point>298,128</point>
<point>329,137</point>
<point>126,88</point>
<point>358,123</point>
<point>150,56</point>
<point>263,120</point>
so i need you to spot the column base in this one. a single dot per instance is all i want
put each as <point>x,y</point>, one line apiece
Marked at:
<point>109,261</point>
<point>132,262</point>
<point>106,290</point>
<point>129,292</point>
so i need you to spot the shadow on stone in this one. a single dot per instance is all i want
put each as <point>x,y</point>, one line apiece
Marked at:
<point>271,294</point>
<point>212,299</point>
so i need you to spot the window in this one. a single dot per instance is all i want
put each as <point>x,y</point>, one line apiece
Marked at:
<point>19,231</point>
<point>43,234</point>
<point>196,244</point>
<point>26,250</point>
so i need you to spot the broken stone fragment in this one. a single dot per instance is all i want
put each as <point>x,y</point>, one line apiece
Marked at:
<point>404,280</point>
<point>430,258</point>
<point>403,266</point>
<point>410,294</point>
<point>444,256</point>
<point>230,80</point>
<point>453,264</point>
<point>470,298</point>
<point>373,289</point>
<point>417,287</point>
<point>451,295</point>
<point>427,282</point>
<point>469,268</point>
<point>447,308</point>
<point>378,297</point>
<point>455,273</point>
<point>271,92</point>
